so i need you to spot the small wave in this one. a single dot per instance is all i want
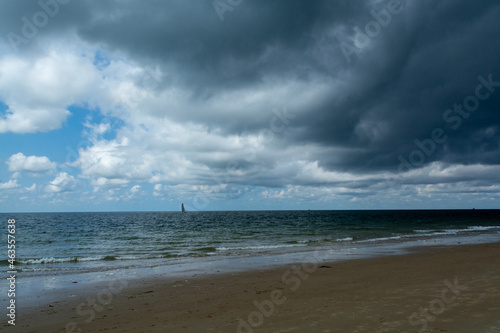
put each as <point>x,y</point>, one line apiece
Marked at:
<point>423,234</point>
<point>430,232</point>
<point>379,239</point>
<point>426,232</point>
<point>206,249</point>
<point>49,260</point>
<point>261,247</point>
<point>481,228</point>
<point>52,260</point>
<point>295,242</point>
<point>169,255</point>
<point>346,239</point>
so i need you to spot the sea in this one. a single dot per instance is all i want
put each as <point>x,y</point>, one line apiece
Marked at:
<point>53,249</point>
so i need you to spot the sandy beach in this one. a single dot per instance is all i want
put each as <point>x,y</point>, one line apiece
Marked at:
<point>433,289</point>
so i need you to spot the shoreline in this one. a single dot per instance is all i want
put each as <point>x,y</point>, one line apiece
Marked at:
<point>367,295</point>
<point>37,290</point>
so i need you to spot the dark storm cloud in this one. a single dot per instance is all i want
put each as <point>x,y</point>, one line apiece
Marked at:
<point>208,52</point>
<point>385,96</point>
<point>397,89</point>
<point>405,83</point>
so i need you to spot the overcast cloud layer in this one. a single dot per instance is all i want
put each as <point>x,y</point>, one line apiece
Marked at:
<point>253,104</point>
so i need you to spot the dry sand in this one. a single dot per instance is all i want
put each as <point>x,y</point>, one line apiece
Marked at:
<point>454,289</point>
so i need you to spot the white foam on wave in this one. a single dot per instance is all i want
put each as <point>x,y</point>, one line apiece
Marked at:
<point>259,247</point>
<point>52,260</point>
<point>436,232</point>
<point>481,228</point>
<point>430,232</point>
<point>380,239</point>
<point>455,231</point>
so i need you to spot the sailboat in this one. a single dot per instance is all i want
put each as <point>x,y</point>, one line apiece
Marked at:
<point>182,207</point>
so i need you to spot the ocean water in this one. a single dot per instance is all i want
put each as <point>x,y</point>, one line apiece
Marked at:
<point>69,243</point>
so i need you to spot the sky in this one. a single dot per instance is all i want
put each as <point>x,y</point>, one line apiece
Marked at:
<point>249,105</point>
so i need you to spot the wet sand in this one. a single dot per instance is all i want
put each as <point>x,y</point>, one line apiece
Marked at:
<point>450,289</point>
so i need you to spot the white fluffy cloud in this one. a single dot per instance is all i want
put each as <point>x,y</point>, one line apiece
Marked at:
<point>11,184</point>
<point>62,183</point>
<point>38,92</point>
<point>36,164</point>
<point>134,192</point>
